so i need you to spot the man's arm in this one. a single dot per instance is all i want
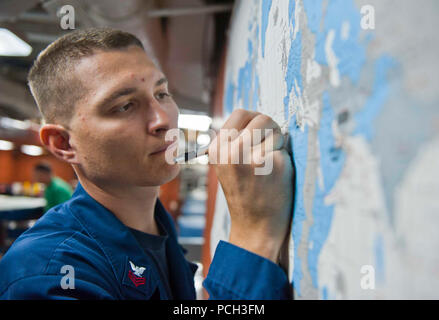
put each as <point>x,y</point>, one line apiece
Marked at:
<point>260,207</point>
<point>238,274</point>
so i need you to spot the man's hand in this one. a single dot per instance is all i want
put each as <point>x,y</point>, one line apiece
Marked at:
<point>260,205</point>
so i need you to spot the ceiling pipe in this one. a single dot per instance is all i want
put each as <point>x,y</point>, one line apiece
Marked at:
<point>37,17</point>
<point>174,12</point>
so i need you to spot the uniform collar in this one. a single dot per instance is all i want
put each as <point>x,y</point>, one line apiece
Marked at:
<point>122,249</point>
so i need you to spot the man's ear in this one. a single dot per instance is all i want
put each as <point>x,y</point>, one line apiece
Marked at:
<point>56,139</point>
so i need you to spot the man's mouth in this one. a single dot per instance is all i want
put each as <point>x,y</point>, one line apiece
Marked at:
<point>163,148</point>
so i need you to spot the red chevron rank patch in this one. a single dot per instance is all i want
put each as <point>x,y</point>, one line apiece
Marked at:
<point>135,279</point>
<point>135,274</point>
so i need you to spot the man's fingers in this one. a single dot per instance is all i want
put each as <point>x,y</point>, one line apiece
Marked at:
<point>246,133</point>
<point>273,142</point>
<point>239,119</point>
<point>259,128</point>
<point>248,122</point>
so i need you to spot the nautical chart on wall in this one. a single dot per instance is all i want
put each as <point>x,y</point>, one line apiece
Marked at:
<point>355,84</point>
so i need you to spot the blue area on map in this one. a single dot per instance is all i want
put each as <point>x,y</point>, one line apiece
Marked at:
<point>380,92</point>
<point>332,160</point>
<point>350,52</point>
<point>351,58</point>
<point>255,90</point>
<point>291,12</point>
<point>229,97</point>
<point>300,145</point>
<point>266,7</point>
<point>325,293</point>
<point>248,81</point>
<point>293,71</point>
<point>313,10</point>
<point>245,79</point>
<point>379,259</point>
<point>300,153</point>
<point>255,80</point>
<point>300,139</point>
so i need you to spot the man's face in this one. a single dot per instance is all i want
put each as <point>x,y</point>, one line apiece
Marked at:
<point>119,126</point>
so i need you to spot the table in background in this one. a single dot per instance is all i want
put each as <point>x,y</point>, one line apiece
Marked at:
<point>13,208</point>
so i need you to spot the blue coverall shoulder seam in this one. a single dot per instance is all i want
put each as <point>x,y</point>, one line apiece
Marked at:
<point>42,273</point>
<point>57,248</point>
<point>72,241</point>
<point>95,238</point>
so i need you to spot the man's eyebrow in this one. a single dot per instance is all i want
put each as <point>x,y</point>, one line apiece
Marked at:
<point>161,81</point>
<point>119,93</point>
<point>126,91</point>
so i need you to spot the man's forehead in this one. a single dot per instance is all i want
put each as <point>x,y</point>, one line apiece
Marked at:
<point>105,65</point>
<point>107,71</point>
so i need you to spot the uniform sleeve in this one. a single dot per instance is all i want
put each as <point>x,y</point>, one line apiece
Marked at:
<point>47,287</point>
<point>238,274</point>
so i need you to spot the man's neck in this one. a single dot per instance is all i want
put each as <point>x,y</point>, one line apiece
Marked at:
<point>133,206</point>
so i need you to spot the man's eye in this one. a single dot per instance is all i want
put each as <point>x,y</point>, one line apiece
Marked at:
<point>124,108</point>
<point>163,95</point>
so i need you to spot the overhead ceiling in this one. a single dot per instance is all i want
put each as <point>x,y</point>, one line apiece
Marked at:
<point>186,37</point>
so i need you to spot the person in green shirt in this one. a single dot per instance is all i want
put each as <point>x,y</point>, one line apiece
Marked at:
<point>57,190</point>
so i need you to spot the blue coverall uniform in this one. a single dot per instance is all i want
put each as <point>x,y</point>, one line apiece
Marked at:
<point>106,261</point>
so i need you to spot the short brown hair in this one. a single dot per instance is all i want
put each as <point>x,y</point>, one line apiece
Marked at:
<point>54,90</point>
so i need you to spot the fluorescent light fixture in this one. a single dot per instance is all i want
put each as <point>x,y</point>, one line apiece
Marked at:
<point>9,123</point>
<point>203,139</point>
<point>194,122</point>
<point>203,160</point>
<point>11,45</point>
<point>31,150</point>
<point>6,145</point>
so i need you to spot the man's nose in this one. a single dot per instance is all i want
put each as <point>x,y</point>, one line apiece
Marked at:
<point>158,119</point>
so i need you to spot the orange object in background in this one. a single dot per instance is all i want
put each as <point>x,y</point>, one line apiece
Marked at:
<point>18,167</point>
<point>6,167</point>
<point>170,197</point>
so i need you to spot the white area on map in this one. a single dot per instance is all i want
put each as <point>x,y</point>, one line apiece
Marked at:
<point>311,112</point>
<point>417,221</point>
<point>240,52</point>
<point>272,67</point>
<point>358,219</point>
<point>297,11</point>
<point>334,75</point>
<point>345,28</point>
<point>313,70</point>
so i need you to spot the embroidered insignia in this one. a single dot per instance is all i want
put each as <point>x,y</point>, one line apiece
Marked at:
<point>135,274</point>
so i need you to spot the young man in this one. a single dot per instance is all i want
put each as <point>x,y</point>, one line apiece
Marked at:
<point>57,190</point>
<point>106,110</point>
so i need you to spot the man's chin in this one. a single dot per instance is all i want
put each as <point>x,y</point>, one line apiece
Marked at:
<point>172,173</point>
<point>162,175</point>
